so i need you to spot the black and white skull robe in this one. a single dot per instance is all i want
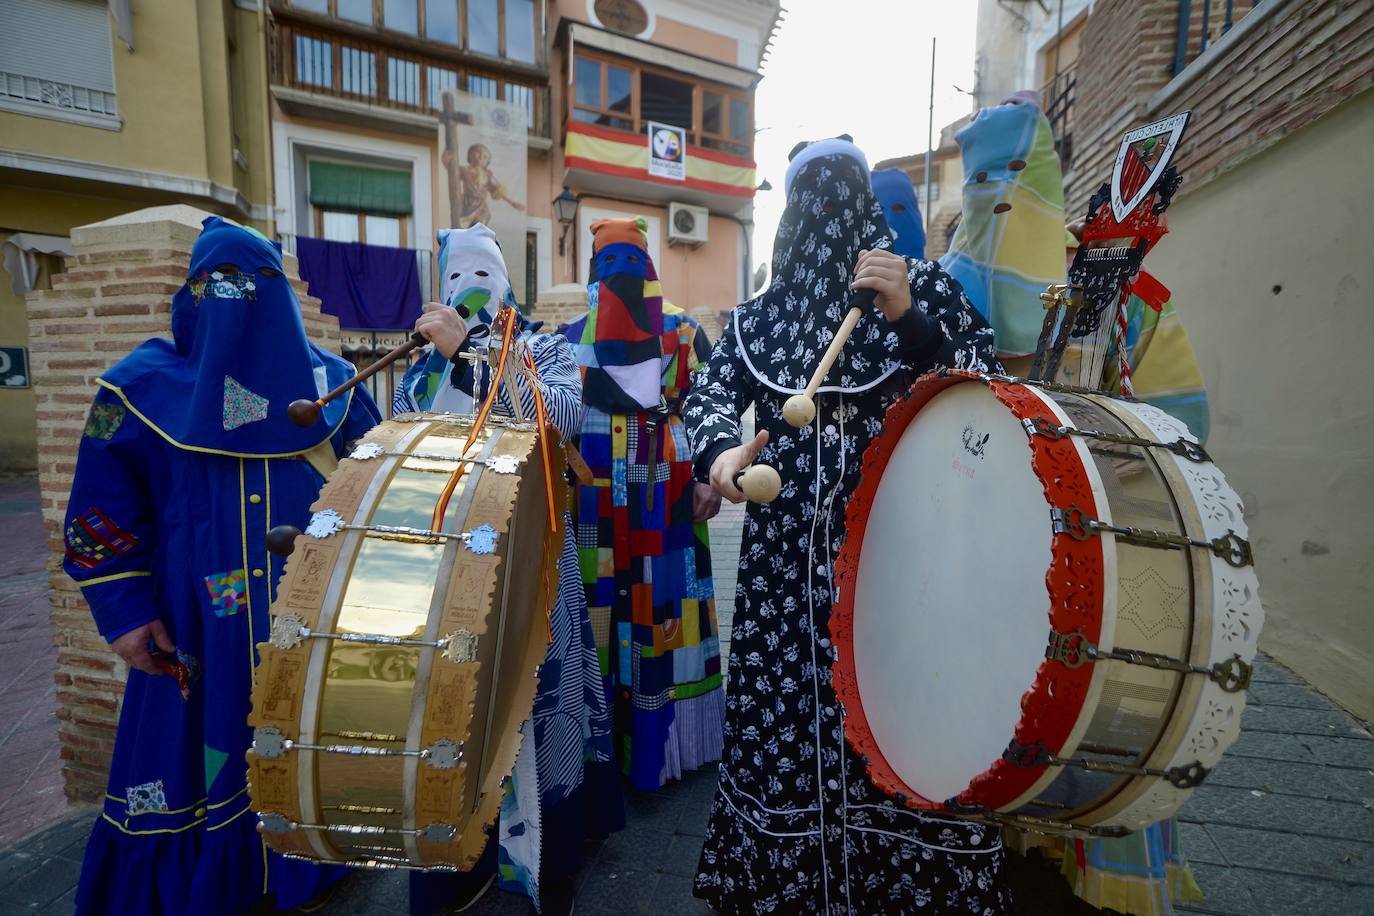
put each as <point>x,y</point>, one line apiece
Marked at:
<point>797,827</point>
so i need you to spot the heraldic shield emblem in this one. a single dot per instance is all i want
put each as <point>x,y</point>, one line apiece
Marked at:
<point>1140,162</point>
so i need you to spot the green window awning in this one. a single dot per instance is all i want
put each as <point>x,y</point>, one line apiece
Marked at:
<point>337,186</point>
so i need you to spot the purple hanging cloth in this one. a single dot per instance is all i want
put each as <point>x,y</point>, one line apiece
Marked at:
<point>365,286</point>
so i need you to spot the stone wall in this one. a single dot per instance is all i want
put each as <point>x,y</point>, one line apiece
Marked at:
<point>114,294</point>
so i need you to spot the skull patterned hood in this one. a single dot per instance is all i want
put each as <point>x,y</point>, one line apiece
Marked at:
<point>831,215</point>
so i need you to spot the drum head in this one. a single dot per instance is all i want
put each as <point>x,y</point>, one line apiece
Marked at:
<point>951,609</point>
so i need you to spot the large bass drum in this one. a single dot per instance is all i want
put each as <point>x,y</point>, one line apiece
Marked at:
<point>388,701</point>
<point>1047,608</point>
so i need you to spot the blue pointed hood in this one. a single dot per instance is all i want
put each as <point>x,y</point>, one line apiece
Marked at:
<point>238,357</point>
<point>894,191</point>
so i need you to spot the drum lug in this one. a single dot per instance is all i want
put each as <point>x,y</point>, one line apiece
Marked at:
<point>1232,675</point>
<point>287,631</point>
<point>1027,756</point>
<point>1072,650</point>
<point>1077,524</point>
<point>1074,522</point>
<point>274,823</point>
<point>460,647</point>
<point>438,833</point>
<point>269,743</point>
<point>443,754</point>
<point>1234,549</point>
<point>1042,426</point>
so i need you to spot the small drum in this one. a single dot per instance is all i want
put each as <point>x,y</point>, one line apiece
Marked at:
<point>992,514</point>
<point>401,664</point>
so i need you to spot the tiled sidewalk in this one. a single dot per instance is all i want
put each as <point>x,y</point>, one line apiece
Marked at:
<point>30,774</point>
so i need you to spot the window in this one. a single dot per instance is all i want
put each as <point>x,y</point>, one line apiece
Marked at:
<point>403,81</point>
<point>359,203</point>
<point>314,62</point>
<point>665,100</point>
<point>354,10</point>
<point>520,30</point>
<point>626,96</point>
<point>401,16</point>
<point>441,21</point>
<point>439,80</point>
<point>57,60</point>
<point>484,34</point>
<point>512,29</point>
<point>531,268</point>
<point>481,86</point>
<point>359,71</point>
<point>604,93</point>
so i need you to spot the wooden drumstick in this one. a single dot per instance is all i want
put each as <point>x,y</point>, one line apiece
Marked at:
<point>306,412</point>
<point>759,483</point>
<point>800,409</point>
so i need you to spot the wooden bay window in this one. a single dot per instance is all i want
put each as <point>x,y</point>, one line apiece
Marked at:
<point>627,95</point>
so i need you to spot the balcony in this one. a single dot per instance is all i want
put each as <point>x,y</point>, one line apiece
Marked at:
<point>621,85</point>
<point>339,75</point>
<point>1059,94</point>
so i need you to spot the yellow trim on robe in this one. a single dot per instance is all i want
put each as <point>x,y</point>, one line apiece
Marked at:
<point>111,578</point>
<point>215,451</point>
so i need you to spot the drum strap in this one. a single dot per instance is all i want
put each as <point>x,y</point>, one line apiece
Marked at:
<point>323,459</point>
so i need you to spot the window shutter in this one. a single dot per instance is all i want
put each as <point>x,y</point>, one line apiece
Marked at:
<point>358,188</point>
<point>65,41</point>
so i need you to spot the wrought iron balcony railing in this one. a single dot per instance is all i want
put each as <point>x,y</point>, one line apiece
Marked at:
<point>1201,23</point>
<point>342,66</point>
<point>1058,95</point>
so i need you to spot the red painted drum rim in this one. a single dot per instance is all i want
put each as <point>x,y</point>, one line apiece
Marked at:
<point>1074,582</point>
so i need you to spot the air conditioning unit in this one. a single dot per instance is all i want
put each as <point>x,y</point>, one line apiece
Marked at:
<point>687,224</point>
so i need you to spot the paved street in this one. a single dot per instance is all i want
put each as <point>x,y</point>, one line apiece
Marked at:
<point>30,774</point>
<point>1283,826</point>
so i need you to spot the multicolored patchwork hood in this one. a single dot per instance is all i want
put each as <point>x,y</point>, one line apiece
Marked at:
<point>1007,248</point>
<point>239,356</point>
<point>619,341</point>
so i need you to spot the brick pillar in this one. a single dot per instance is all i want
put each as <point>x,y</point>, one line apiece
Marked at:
<point>113,295</point>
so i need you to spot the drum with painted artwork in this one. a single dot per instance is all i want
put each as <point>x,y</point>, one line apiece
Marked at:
<point>402,661</point>
<point>1047,608</point>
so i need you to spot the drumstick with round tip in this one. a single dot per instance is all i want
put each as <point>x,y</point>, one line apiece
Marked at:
<point>759,483</point>
<point>306,412</point>
<point>800,409</point>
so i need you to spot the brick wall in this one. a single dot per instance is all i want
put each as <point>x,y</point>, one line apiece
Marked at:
<point>1285,64</point>
<point>114,294</point>
<point>1124,58</point>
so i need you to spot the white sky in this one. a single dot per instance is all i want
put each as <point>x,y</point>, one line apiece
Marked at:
<point>860,67</point>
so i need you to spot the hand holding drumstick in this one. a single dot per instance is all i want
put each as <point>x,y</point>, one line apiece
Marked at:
<point>733,477</point>
<point>880,279</point>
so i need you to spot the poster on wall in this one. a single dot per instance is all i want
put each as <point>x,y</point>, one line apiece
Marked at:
<point>14,367</point>
<point>667,151</point>
<point>484,162</point>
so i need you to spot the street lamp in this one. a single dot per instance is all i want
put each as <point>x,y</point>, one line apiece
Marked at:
<point>565,208</point>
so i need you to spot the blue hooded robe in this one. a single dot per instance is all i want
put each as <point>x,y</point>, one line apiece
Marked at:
<point>186,461</point>
<point>894,191</point>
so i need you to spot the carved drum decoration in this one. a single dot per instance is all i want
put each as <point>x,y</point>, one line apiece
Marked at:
<point>1047,608</point>
<point>402,661</point>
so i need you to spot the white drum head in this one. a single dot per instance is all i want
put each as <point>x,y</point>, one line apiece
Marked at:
<point>951,610</point>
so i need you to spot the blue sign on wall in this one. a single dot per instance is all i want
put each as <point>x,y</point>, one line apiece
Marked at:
<point>14,367</point>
